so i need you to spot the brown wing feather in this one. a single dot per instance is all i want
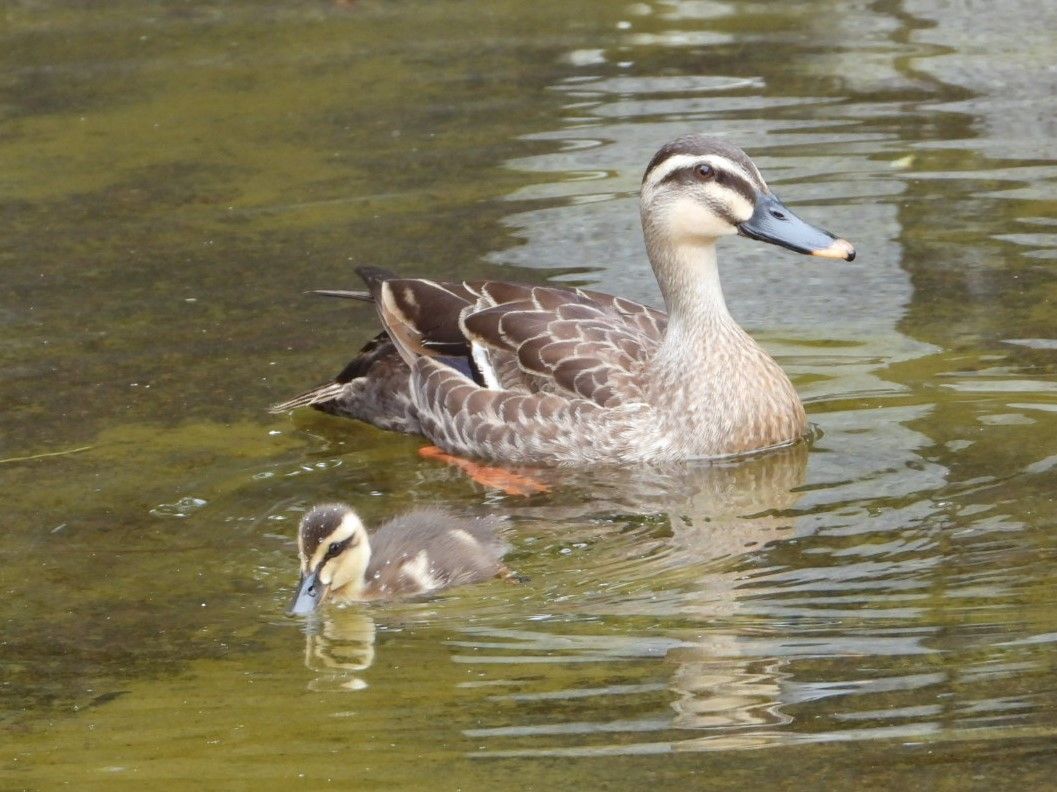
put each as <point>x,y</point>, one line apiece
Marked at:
<point>464,418</point>
<point>559,356</point>
<point>648,320</point>
<point>610,335</point>
<point>422,316</point>
<point>378,349</point>
<point>557,335</point>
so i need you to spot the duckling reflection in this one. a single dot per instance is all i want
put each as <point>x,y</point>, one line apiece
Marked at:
<point>339,648</point>
<point>417,553</point>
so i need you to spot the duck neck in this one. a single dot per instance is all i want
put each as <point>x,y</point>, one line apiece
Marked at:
<point>688,275</point>
<point>713,389</point>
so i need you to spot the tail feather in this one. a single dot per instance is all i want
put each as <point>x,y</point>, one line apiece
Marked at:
<point>318,395</point>
<point>373,276</point>
<point>362,296</point>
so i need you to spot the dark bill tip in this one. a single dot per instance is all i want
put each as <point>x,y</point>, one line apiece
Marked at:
<point>309,595</point>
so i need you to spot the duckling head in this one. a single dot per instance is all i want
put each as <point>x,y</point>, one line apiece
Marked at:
<point>334,551</point>
<point>697,189</point>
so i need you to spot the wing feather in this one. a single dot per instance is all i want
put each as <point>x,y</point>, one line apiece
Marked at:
<point>551,358</point>
<point>466,419</point>
<point>554,351</point>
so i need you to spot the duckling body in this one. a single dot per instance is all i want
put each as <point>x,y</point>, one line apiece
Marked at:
<point>532,374</point>
<point>414,554</point>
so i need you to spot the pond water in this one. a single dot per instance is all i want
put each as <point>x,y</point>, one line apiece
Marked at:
<point>876,610</point>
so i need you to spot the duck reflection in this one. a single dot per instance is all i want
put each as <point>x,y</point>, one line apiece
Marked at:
<point>717,515</point>
<point>723,513</point>
<point>686,562</point>
<point>717,690</point>
<point>714,508</point>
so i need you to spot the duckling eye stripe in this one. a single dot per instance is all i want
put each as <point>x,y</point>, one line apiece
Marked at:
<point>332,551</point>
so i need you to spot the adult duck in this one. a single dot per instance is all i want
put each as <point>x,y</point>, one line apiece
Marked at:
<point>542,374</point>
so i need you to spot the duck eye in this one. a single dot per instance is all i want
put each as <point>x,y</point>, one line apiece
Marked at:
<point>704,171</point>
<point>334,549</point>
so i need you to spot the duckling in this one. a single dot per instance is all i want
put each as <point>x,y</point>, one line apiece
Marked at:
<point>417,553</point>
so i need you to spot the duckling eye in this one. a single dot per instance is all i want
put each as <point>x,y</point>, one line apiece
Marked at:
<point>334,549</point>
<point>704,172</point>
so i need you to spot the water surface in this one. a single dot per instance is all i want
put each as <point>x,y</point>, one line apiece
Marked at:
<point>873,611</point>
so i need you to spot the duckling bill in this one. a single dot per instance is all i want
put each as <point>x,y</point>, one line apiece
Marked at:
<point>418,553</point>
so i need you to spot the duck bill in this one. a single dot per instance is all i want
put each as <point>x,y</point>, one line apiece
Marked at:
<point>309,596</point>
<point>773,222</point>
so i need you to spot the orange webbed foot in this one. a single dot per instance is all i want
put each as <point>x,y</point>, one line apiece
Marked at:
<point>495,477</point>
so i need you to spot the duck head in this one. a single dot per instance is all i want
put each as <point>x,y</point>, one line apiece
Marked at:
<point>697,189</point>
<point>334,550</point>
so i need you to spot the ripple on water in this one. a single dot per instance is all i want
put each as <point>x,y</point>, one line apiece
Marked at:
<point>890,588</point>
<point>184,507</point>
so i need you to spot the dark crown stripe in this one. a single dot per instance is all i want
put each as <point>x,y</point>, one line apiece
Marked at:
<point>660,157</point>
<point>320,523</point>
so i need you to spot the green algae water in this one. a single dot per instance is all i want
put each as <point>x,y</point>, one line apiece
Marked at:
<point>876,610</point>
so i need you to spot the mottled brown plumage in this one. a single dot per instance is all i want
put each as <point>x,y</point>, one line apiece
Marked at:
<point>542,374</point>
<point>417,553</point>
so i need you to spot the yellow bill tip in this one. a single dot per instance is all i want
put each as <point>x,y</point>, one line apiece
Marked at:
<point>839,249</point>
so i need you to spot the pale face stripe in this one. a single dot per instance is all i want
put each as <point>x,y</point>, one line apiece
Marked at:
<point>733,206</point>
<point>676,162</point>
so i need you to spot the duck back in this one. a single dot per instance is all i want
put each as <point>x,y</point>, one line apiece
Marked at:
<point>427,550</point>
